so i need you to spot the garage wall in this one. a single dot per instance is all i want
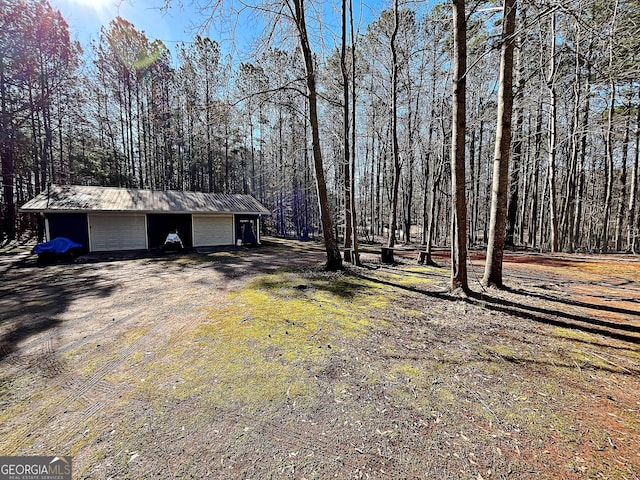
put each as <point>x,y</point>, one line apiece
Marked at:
<point>110,232</point>
<point>212,230</point>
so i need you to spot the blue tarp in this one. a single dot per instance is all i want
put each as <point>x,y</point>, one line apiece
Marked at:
<point>57,245</point>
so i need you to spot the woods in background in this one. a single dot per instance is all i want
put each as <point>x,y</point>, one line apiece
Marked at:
<point>129,112</point>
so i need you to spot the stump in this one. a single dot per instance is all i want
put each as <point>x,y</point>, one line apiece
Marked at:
<point>387,255</point>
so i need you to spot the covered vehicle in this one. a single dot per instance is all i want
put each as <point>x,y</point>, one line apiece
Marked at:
<point>57,248</point>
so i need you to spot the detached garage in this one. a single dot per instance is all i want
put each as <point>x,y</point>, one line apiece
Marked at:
<point>108,219</point>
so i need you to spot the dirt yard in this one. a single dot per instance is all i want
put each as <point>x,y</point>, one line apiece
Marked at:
<point>256,364</point>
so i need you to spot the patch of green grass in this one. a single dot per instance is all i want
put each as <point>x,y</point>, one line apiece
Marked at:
<point>408,279</point>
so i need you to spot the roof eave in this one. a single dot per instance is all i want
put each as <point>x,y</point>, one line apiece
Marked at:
<point>140,212</point>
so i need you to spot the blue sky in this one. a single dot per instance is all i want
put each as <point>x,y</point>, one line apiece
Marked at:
<point>181,22</point>
<point>172,25</point>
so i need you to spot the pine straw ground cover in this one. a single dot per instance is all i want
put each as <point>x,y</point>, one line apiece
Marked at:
<point>256,364</point>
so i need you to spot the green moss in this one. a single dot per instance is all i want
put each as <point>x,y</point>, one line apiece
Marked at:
<point>135,357</point>
<point>415,280</point>
<point>98,361</point>
<point>573,334</point>
<point>262,344</point>
<point>584,359</point>
<point>87,440</point>
<point>8,385</point>
<point>504,351</point>
<point>406,371</point>
<point>446,396</point>
<point>425,270</point>
<point>23,414</point>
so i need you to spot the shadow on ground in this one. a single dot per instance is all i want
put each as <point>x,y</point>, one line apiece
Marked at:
<point>32,298</point>
<point>549,316</point>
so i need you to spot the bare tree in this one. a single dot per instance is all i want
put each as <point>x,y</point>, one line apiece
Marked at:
<point>500,189</point>
<point>387,256</point>
<point>297,11</point>
<point>349,126</point>
<point>354,217</point>
<point>552,134</point>
<point>609,170</point>
<point>632,226</point>
<point>458,132</point>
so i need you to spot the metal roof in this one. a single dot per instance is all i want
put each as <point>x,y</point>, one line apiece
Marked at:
<point>78,198</point>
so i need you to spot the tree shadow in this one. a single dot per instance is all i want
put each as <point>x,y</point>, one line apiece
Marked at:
<point>33,297</point>
<point>235,262</point>
<point>575,303</point>
<point>556,318</point>
<point>511,359</point>
<point>588,341</point>
<point>345,287</point>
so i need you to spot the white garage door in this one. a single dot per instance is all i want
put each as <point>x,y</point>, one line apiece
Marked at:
<point>117,232</point>
<point>212,230</point>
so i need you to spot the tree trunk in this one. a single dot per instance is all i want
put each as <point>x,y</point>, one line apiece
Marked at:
<point>604,238</point>
<point>395,149</point>
<point>354,217</point>
<point>334,260</point>
<point>408,194</point>
<point>500,190</point>
<point>535,194</point>
<point>139,136</point>
<point>552,141</point>
<point>622,181</point>
<point>7,208</point>
<point>432,214</point>
<point>525,161</point>
<point>514,189</point>
<point>473,200</point>
<point>377,214</point>
<point>458,133</point>
<point>475,212</point>
<point>209,141</point>
<point>608,198</point>
<point>427,238</point>
<point>572,178</point>
<point>346,139</point>
<point>580,181</point>
<point>632,232</point>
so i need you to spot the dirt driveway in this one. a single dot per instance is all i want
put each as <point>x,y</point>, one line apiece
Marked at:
<point>65,328</point>
<point>255,364</point>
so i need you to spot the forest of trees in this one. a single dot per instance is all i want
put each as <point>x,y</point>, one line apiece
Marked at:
<point>127,112</point>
